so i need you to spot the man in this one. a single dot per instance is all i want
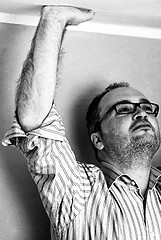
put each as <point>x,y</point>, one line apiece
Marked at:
<point>122,199</point>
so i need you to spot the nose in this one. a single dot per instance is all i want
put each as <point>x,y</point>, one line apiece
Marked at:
<point>139,114</point>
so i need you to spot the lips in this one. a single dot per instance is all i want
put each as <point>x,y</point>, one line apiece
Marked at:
<point>141,125</point>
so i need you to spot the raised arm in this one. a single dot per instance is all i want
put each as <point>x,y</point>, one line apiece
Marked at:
<point>36,87</point>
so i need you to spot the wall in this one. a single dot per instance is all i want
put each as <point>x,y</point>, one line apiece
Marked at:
<point>90,63</point>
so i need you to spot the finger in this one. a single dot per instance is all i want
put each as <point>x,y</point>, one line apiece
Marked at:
<point>87,14</point>
<point>84,9</point>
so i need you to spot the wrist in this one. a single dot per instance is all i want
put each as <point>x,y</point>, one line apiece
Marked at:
<point>55,15</point>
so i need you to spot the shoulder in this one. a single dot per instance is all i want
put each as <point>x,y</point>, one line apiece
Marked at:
<point>91,171</point>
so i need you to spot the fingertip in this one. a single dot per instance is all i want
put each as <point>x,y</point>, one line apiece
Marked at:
<point>88,10</point>
<point>92,12</point>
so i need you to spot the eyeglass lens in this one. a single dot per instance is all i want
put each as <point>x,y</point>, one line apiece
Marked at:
<point>125,108</point>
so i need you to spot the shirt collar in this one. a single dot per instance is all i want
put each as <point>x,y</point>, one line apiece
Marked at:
<point>155,177</point>
<point>111,174</point>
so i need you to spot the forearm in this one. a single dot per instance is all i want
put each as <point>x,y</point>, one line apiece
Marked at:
<point>37,83</point>
<point>36,87</point>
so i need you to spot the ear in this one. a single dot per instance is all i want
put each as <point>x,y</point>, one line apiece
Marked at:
<point>97,141</point>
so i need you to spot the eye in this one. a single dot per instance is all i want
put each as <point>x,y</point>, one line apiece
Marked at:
<point>147,107</point>
<point>124,108</point>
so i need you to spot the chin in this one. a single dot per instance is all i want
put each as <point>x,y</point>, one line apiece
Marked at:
<point>146,144</point>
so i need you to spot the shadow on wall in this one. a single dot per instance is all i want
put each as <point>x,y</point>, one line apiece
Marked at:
<point>20,201</point>
<point>22,214</point>
<point>81,139</point>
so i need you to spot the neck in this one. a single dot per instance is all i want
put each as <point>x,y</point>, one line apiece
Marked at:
<point>137,168</point>
<point>141,177</point>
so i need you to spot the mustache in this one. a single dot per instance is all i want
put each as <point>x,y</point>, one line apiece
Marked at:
<point>141,122</point>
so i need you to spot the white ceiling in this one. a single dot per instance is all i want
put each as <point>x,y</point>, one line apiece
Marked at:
<point>138,18</point>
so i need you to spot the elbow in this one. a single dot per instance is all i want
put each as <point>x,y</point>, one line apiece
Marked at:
<point>31,117</point>
<point>28,122</point>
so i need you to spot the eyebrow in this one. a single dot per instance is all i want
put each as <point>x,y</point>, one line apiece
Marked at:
<point>142,100</point>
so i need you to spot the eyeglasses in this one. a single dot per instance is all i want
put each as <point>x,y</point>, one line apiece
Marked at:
<point>125,107</point>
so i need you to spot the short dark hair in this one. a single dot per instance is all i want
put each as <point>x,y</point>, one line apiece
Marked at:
<point>93,111</point>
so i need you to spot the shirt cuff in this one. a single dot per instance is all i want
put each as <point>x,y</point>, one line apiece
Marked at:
<point>51,128</point>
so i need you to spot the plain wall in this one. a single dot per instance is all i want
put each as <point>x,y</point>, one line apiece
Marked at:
<point>91,62</point>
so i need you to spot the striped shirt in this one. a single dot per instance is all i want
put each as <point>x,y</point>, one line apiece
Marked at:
<point>82,201</point>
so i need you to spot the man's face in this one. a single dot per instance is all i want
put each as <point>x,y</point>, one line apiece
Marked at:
<point>124,136</point>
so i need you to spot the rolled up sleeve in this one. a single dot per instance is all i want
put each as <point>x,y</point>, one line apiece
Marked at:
<point>63,183</point>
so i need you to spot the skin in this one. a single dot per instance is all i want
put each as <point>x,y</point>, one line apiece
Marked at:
<point>36,87</point>
<point>121,142</point>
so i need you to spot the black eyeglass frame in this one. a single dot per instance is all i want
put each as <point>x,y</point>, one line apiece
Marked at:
<point>155,112</point>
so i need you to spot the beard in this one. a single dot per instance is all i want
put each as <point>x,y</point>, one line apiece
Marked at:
<point>132,151</point>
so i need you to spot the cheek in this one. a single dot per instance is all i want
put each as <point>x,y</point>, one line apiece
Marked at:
<point>154,123</point>
<point>116,126</point>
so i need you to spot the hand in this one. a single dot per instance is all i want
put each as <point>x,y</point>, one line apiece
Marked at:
<point>71,15</point>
